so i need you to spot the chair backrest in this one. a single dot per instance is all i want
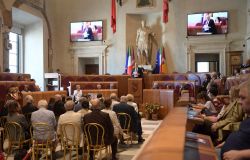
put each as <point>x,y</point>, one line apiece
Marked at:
<point>41,132</point>
<point>94,134</point>
<point>14,132</point>
<point>125,121</point>
<point>70,134</point>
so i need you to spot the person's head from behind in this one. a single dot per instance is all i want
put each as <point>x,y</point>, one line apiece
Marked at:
<point>143,23</point>
<point>95,103</point>
<point>123,99</point>
<point>202,97</point>
<point>236,71</point>
<point>155,85</point>
<point>58,97</point>
<point>130,97</point>
<point>113,96</point>
<point>208,78</point>
<point>107,103</point>
<point>29,99</point>
<point>13,106</point>
<point>244,95</point>
<point>214,75</point>
<point>69,105</point>
<point>85,104</point>
<point>213,92</point>
<point>42,104</point>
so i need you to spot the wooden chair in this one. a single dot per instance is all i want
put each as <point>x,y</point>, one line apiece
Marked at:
<point>71,138</point>
<point>16,136</point>
<point>125,121</point>
<point>94,134</point>
<point>41,145</point>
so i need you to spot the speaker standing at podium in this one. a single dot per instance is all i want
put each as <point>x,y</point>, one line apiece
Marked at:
<point>137,72</point>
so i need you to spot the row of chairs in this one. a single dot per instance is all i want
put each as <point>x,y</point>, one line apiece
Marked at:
<point>70,142</point>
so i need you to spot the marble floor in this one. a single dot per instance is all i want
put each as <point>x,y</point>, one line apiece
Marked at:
<point>125,152</point>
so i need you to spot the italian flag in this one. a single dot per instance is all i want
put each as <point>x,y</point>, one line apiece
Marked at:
<point>130,61</point>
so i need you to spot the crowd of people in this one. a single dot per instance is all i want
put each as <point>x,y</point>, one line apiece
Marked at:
<point>80,111</point>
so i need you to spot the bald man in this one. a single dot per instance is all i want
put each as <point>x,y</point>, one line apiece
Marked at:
<point>97,116</point>
<point>237,145</point>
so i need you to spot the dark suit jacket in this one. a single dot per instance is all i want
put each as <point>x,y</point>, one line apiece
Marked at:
<point>125,108</point>
<point>97,116</point>
<point>59,108</point>
<point>212,26</point>
<point>28,108</point>
<point>139,73</point>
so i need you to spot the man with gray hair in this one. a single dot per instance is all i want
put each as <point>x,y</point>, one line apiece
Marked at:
<point>58,106</point>
<point>114,99</point>
<point>237,145</point>
<point>29,106</point>
<point>42,115</point>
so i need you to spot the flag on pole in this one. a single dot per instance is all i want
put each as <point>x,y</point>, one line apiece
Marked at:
<point>130,61</point>
<point>161,65</point>
<point>165,9</point>
<point>113,15</point>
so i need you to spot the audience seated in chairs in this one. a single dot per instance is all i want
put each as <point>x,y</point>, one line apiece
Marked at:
<point>70,117</point>
<point>237,145</point>
<point>42,115</point>
<point>101,98</point>
<point>123,107</point>
<point>102,119</point>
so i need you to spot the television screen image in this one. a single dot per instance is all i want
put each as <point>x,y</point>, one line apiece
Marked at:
<point>207,23</point>
<point>86,31</point>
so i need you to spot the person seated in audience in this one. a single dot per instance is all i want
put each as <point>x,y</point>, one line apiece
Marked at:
<point>205,105</point>
<point>78,106</point>
<point>13,94</point>
<point>85,108</point>
<point>51,103</point>
<point>111,86</point>
<point>236,72</point>
<point>15,116</point>
<point>101,98</point>
<point>77,93</point>
<point>123,107</point>
<point>58,106</point>
<point>205,82</point>
<point>26,88</point>
<point>28,106</point>
<point>117,127</point>
<point>114,99</point>
<point>102,118</point>
<point>131,102</point>
<point>237,145</point>
<point>42,115</point>
<point>70,117</point>
<point>99,86</point>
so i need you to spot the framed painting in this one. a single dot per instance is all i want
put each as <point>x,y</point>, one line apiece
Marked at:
<point>144,3</point>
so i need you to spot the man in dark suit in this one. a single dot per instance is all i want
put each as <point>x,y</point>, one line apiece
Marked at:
<point>123,107</point>
<point>58,108</point>
<point>209,25</point>
<point>97,116</point>
<point>137,72</point>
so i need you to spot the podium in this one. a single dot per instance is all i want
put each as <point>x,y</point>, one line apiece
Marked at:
<point>135,88</point>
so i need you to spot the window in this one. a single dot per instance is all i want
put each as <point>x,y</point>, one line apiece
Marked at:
<point>202,66</point>
<point>14,52</point>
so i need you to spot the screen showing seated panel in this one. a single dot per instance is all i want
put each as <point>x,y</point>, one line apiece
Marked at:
<point>86,31</point>
<point>207,23</point>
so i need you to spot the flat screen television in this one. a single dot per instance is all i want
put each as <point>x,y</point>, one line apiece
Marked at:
<point>207,23</point>
<point>86,31</point>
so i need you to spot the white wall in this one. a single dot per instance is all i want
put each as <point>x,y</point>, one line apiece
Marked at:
<point>172,35</point>
<point>34,52</point>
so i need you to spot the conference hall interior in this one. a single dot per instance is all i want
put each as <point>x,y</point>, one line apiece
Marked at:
<point>125,79</point>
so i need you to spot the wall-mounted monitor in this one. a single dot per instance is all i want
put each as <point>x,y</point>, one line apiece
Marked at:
<point>207,23</point>
<point>86,31</point>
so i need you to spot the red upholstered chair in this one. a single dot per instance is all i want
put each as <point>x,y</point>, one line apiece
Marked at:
<point>65,80</point>
<point>82,79</point>
<point>96,79</point>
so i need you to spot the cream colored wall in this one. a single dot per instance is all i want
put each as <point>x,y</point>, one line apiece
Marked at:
<point>172,35</point>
